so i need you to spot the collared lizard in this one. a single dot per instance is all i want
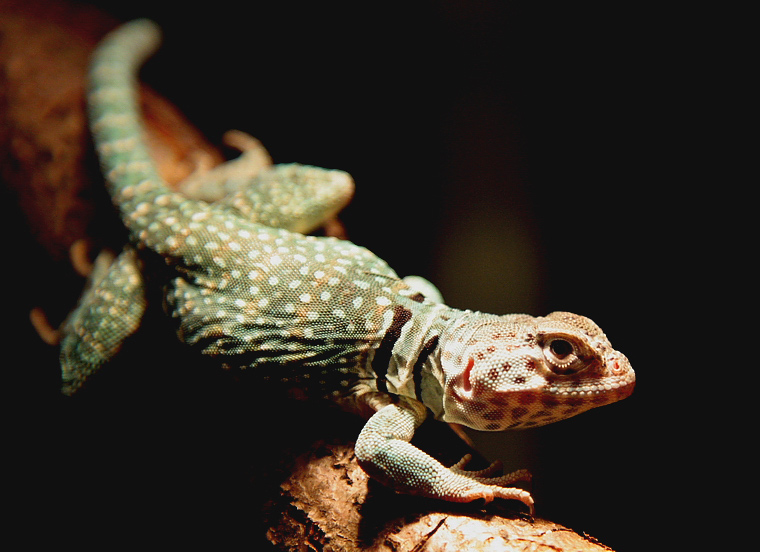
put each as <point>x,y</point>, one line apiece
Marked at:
<point>251,291</point>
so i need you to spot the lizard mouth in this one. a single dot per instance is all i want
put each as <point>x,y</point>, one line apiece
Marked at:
<point>466,383</point>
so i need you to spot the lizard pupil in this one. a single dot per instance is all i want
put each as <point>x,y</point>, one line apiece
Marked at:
<point>561,348</point>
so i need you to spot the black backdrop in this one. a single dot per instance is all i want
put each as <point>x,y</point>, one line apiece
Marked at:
<point>525,156</point>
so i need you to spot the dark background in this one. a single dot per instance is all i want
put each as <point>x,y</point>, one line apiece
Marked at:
<point>526,157</point>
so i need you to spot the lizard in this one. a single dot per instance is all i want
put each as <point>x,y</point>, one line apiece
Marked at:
<point>249,289</point>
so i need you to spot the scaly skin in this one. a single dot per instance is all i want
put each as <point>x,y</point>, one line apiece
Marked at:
<point>250,291</point>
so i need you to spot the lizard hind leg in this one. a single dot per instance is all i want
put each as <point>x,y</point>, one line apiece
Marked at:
<point>295,197</point>
<point>109,311</point>
<point>211,184</point>
<point>298,198</point>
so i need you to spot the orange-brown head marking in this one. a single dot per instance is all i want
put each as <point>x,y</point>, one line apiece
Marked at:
<point>517,371</point>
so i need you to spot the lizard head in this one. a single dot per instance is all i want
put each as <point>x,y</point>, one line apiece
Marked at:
<point>517,371</point>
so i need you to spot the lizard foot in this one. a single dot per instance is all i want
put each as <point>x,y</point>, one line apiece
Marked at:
<point>244,142</point>
<point>79,255</point>
<point>489,486</point>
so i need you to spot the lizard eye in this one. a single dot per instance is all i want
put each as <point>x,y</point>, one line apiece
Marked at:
<point>561,348</point>
<point>562,356</point>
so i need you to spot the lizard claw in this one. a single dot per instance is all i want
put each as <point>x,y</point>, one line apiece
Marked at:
<point>488,475</point>
<point>494,468</point>
<point>46,332</point>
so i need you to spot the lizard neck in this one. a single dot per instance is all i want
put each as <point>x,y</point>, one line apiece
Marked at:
<point>414,367</point>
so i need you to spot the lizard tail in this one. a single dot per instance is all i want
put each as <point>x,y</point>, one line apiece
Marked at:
<point>113,104</point>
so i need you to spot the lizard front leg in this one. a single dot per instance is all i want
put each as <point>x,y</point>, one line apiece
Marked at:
<point>424,287</point>
<point>384,451</point>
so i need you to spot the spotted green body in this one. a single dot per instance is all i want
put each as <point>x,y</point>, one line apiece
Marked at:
<point>250,291</point>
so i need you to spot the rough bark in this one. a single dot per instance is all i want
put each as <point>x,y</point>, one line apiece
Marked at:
<point>328,503</point>
<point>302,489</point>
